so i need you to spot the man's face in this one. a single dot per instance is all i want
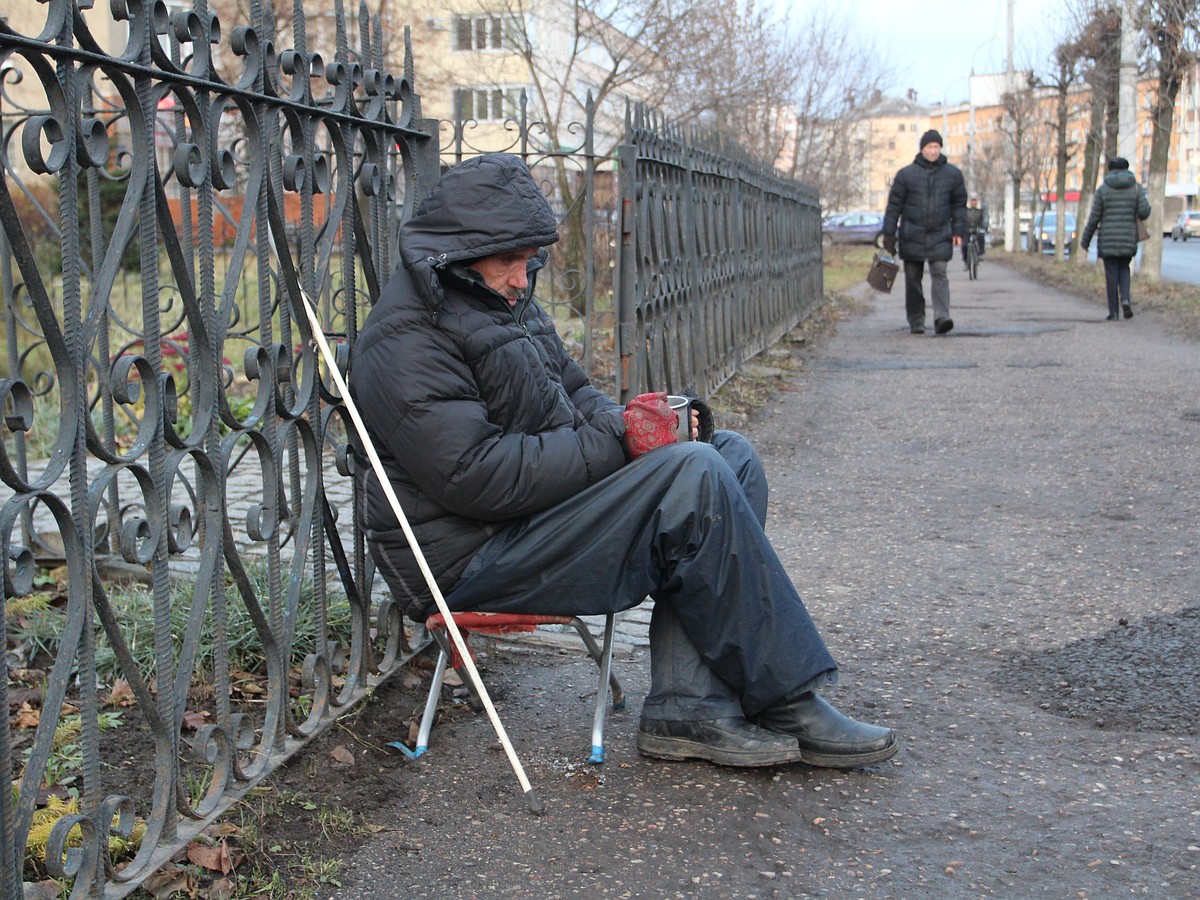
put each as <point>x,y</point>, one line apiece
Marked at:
<point>505,272</point>
<point>973,202</point>
<point>931,151</point>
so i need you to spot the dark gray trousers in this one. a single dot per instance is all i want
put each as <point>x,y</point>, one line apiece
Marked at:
<point>682,524</point>
<point>914,295</point>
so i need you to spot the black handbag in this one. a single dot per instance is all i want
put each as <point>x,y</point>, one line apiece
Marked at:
<point>883,273</point>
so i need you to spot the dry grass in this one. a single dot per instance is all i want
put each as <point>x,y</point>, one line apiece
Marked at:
<point>1179,303</point>
<point>846,266</point>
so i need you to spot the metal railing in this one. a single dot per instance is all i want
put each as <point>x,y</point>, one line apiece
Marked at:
<point>719,258</point>
<point>181,555</point>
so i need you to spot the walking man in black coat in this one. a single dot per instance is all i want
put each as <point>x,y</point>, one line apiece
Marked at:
<point>927,208</point>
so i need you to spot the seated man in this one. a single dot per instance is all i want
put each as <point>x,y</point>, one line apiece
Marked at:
<point>530,491</point>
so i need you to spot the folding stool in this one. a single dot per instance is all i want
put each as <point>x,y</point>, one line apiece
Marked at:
<point>507,623</point>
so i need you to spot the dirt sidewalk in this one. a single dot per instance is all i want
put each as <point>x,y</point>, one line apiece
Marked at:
<point>996,531</point>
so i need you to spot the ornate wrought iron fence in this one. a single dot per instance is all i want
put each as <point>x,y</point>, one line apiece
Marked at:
<point>167,423</point>
<point>166,416</point>
<point>719,258</point>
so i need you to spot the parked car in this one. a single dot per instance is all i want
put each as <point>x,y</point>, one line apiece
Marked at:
<point>853,228</point>
<point>1186,226</point>
<point>1046,230</point>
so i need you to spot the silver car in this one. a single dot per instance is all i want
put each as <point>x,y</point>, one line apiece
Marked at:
<point>1186,226</point>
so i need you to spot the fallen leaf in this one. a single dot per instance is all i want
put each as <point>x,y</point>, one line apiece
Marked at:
<point>167,881</point>
<point>222,889</point>
<point>17,697</point>
<point>410,680</point>
<point>26,717</point>
<point>222,829</point>
<point>121,693</point>
<point>195,720</point>
<point>215,859</point>
<point>342,755</point>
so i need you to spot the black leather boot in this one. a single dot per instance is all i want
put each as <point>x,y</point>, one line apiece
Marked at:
<point>726,742</point>
<point>827,737</point>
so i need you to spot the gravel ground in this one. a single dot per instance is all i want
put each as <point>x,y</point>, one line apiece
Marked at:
<point>997,532</point>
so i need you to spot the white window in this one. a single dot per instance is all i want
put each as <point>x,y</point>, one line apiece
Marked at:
<point>485,32</point>
<point>488,104</point>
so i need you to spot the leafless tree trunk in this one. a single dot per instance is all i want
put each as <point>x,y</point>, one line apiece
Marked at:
<point>1098,23</point>
<point>1019,128</point>
<point>1067,56</point>
<point>1172,30</point>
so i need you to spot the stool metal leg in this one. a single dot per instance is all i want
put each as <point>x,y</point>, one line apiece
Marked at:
<point>618,693</point>
<point>605,663</point>
<point>431,703</point>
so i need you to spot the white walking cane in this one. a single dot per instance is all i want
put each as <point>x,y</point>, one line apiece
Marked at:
<point>451,626</point>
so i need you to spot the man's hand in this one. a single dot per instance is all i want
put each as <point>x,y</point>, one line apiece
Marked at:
<point>956,240</point>
<point>649,423</point>
<point>889,244</point>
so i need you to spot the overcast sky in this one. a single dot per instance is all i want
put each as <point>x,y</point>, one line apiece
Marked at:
<point>932,44</point>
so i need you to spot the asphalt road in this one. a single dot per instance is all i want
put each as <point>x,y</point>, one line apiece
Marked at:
<point>1181,261</point>
<point>996,531</point>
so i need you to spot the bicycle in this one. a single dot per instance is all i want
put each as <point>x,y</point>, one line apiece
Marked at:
<point>973,240</point>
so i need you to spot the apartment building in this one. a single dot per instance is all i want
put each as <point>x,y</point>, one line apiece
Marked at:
<point>475,58</point>
<point>887,133</point>
<point>976,137</point>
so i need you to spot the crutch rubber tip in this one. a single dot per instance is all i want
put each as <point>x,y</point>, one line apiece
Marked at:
<point>535,805</point>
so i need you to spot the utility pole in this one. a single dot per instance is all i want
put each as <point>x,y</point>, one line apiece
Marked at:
<point>1010,198</point>
<point>1127,89</point>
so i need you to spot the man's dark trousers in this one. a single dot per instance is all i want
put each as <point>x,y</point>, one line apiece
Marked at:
<point>683,525</point>
<point>914,296</point>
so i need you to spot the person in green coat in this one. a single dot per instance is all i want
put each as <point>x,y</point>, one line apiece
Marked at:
<point>1118,203</point>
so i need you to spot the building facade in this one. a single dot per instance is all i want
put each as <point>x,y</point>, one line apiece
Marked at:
<point>977,137</point>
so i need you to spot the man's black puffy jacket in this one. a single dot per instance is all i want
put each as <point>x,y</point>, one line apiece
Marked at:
<point>929,201</point>
<point>478,413</point>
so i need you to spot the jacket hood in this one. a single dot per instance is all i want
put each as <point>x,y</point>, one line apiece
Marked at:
<point>1120,178</point>
<point>488,204</point>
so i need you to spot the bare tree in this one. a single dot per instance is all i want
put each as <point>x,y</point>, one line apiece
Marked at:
<point>1172,32</point>
<point>840,73</point>
<point>791,92</point>
<point>1020,127</point>
<point>1098,23</point>
<point>1067,58</point>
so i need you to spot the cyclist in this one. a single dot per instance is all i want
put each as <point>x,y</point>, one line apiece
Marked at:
<point>977,226</point>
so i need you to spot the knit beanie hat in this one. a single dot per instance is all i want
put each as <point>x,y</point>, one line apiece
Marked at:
<point>930,137</point>
<point>1118,162</point>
